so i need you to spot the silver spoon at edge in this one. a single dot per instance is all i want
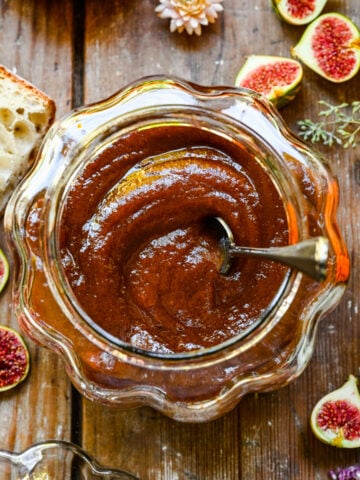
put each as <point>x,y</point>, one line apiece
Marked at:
<point>309,256</point>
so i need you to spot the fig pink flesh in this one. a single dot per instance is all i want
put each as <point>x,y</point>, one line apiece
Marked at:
<point>13,358</point>
<point>301,8</point>
<point>340,415</point>
<point>330,45</point>
<point>265,77</point>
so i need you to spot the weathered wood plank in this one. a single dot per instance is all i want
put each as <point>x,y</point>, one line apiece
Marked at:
<point>35,41</point>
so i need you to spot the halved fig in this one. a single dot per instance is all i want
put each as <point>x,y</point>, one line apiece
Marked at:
<point>14,359</point>
<point>277,78</point>
<point>335,419</point>
<point>330,46</point>
<point>298,12</point>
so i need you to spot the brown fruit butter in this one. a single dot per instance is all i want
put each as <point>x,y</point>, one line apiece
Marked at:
<point>118,266</point>
<point>137,250</point>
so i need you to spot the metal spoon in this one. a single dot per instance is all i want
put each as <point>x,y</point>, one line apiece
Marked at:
<point>309,256</point>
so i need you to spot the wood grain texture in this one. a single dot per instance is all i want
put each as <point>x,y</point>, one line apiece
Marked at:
<point>38,47</point>
<point>267,436</point>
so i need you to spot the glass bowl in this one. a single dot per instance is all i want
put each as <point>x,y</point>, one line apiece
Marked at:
<point>113,159</point>
<point>55,460</point>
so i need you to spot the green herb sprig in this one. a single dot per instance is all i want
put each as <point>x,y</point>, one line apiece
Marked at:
<point>341,125</point>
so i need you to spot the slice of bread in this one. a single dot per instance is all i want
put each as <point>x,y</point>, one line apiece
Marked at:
<point>26,114</point>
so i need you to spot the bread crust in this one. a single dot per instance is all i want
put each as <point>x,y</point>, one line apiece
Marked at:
<point>31,89</point>
<point>26,114</point>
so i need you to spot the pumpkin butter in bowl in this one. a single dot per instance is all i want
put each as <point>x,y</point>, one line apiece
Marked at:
<point>127,284</point>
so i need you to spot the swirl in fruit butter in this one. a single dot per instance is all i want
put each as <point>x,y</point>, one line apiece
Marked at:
<point>137,249</point>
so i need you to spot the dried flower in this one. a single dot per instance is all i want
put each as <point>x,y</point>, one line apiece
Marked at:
<point>348,473</point>
<point>189,15</point>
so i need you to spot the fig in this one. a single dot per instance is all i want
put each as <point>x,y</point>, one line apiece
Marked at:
<point>298,12</point>
<point>14,358</point>
<point>4,270</point>
<point>330,46</point>
<point>335,419</point>
<point>277,78</point>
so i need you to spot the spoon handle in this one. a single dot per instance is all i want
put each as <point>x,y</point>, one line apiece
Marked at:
<point>309,256</point>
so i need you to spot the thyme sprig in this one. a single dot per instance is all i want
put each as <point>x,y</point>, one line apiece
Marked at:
<point>341,125</point>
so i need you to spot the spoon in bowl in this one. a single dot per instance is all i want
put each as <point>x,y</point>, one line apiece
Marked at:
<point>308,256</point>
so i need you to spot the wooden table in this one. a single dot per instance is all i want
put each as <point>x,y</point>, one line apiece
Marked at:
<point>82,51</point>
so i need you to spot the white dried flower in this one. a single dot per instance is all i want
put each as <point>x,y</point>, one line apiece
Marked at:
<point>189,15</point>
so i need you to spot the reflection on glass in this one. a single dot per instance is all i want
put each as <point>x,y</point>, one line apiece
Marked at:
<point>55,460</point>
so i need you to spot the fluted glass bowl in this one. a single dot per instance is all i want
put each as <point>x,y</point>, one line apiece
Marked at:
<point>205,381</point>
<point>55,460</point>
